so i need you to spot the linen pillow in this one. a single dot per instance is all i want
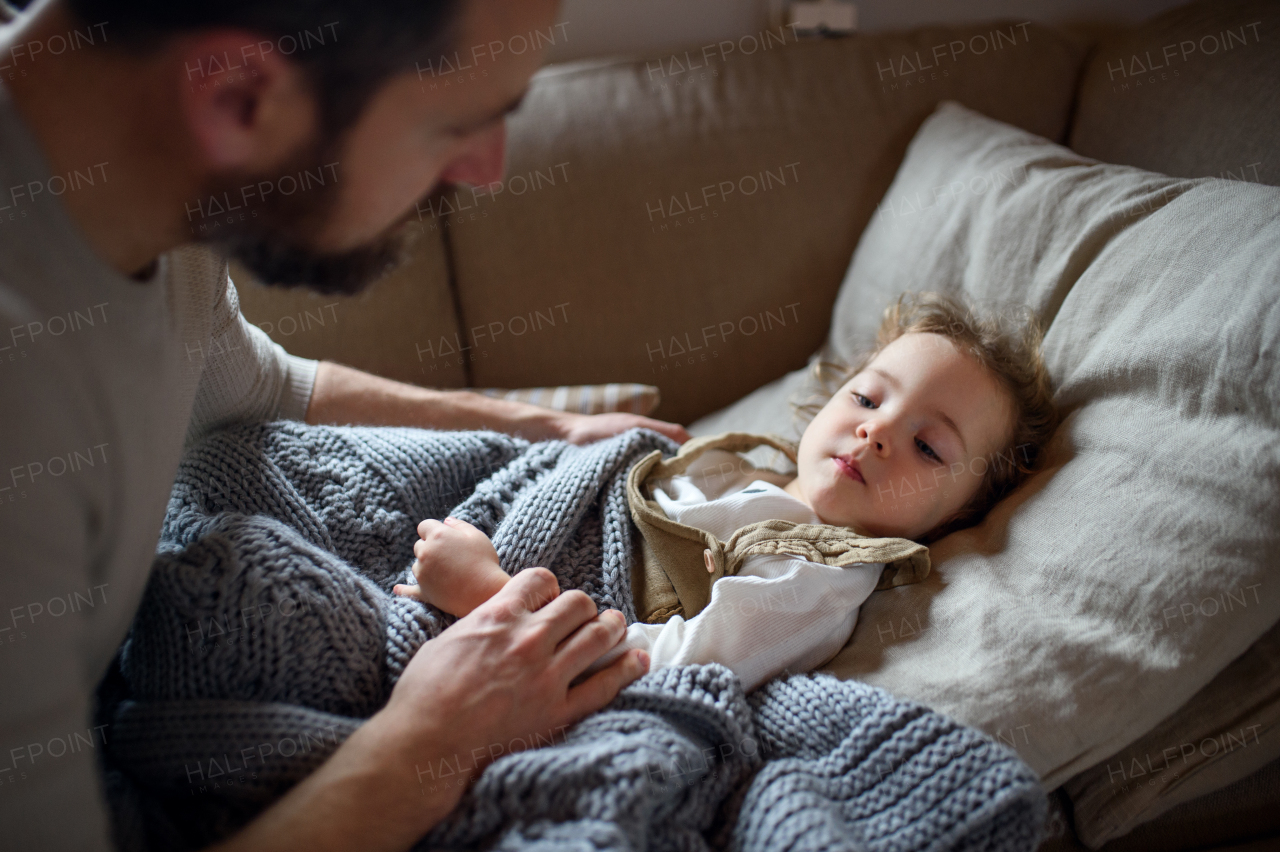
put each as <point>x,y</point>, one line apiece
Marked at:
<point>1040,625</point>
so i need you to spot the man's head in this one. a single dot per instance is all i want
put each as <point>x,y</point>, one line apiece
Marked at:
<point>945,416</point>
<point>314,127</point>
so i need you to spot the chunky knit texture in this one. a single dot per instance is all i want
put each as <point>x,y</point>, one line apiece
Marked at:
<point>268,633</point>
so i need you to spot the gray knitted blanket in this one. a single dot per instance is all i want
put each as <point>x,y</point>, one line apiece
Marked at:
<point>268,633</point>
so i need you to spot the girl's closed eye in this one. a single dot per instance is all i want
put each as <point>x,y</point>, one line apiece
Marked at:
<point>927,451</point>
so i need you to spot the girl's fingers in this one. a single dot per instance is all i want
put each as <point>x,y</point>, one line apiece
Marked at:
<point>405,590</point>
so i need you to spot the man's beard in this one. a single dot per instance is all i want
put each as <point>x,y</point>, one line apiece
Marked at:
<point>268,235</point>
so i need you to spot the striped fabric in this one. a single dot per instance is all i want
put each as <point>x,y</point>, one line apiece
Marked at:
<point>584,399</point>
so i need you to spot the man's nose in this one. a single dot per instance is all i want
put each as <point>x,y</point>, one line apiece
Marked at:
<point>481,162</point>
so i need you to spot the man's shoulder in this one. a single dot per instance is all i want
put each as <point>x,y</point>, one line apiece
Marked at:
<point>197,276</point>
<point>197,264</point>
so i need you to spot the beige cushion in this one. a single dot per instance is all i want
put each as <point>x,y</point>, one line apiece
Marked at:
<point>803,139</point>
<point>1041,624</point>
<point>1194,92</point>
<point>584,399</point>
<point>403,327</point>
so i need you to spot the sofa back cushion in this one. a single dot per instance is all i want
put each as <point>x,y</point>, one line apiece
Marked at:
<point>1193,92</point>
<point>404,327</point>
<point>685,220</point>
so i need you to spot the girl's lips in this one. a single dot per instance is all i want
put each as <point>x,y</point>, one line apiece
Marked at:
<point>849,468</point>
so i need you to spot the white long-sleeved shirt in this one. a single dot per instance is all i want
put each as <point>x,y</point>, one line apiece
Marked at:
<point>778,613</point>
<point>102,379</point>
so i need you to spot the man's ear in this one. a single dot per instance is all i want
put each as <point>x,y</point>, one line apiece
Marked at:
<point>246,107</point>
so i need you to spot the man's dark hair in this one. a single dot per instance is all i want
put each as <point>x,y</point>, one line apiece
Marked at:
<point>346,48</point>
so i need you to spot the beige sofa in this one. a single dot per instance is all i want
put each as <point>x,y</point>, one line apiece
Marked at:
<point>688,221</point>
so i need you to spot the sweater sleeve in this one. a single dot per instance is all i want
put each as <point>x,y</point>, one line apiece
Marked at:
<point>781,614</point>
<point>246,376</point>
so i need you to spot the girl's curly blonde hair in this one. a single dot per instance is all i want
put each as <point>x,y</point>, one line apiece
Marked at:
<point>1007,344</point>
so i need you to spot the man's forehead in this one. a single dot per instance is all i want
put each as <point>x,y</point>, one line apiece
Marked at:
<point>496,47</point>
<point>505,30</point>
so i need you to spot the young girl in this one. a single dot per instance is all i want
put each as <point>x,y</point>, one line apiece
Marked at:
<point>942,418</point>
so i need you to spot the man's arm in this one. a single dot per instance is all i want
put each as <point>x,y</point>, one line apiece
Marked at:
<point>494,679</point>
<point>244,376</point>
<point>344,395</point>
<point>247,377</point>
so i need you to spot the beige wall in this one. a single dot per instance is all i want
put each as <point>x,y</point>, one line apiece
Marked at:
<point>604,27</point>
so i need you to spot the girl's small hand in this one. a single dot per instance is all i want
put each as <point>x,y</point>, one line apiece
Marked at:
<point>456,567</point>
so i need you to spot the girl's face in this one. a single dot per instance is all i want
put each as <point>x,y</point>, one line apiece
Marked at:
<point>905,443</point>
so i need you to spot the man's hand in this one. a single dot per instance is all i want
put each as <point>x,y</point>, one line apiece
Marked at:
<point>497,681</point>
<point>455,565</point>
<point>342,395</point>
<point>585,428</point>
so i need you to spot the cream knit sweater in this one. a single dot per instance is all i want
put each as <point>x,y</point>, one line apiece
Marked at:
<point>102,379</point>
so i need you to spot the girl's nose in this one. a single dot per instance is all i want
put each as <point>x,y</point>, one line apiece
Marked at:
<point>875,433</point>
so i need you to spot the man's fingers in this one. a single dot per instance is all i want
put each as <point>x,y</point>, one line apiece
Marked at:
<point>528,591</point>
<point>585,645</point>
<point>674,431</point>
<point>572,610</point>
<point>599,689</point>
